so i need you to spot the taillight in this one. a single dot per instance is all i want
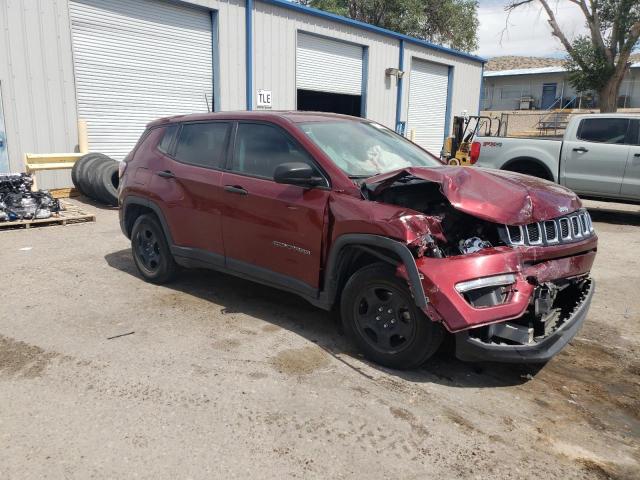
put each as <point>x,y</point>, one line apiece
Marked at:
<point>121,169</point>
<point>475,152</point>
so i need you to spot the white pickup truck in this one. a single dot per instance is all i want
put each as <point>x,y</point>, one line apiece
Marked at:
<point>599,156</point>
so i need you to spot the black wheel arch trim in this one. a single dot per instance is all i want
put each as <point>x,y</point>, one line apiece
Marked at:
<point>332,275</point>
<point>533,160</point>
<point>150,204</point>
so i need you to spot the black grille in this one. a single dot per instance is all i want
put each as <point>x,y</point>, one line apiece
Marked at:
<point>533,232</point>
<point>550,231</point>
<point>576,226</point>
<point>557,231</point>
<point>515,233</point>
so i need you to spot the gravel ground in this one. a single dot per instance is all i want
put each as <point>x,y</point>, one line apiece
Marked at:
<point>223,378</point>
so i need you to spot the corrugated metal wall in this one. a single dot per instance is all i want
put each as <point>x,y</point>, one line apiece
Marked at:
<point>36,72</point>
<point>136,61</point>
<point>314,54</point>
<point>275,32</point>
<point>465,88</point>
<point>426,122</point>
<point>232,59</point>
<point>36,69</point>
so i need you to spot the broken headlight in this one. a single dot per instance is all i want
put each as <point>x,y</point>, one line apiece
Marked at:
<point>487,291</point>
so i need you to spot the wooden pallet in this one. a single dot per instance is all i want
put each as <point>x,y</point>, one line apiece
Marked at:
<point>71,214</point>
<point>64,192</point>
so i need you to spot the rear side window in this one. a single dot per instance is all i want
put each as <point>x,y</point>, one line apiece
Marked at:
<point>261,148</point>
<point>604,130</point>
<point>202,144</point>
<point>167,138</point>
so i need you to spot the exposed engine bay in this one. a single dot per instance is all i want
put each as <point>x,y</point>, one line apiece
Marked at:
<point>462,233</point>
<point>18,202</point>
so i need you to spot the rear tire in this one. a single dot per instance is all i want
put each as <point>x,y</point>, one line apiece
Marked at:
<point>151,252</point>
<point>529,168</point>
<point>381,317</point>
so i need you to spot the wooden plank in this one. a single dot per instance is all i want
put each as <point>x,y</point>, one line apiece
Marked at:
<point>64,192</point>
<point>36,167</point>
<point>43,158</point>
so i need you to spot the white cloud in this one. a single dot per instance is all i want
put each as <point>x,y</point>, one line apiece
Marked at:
<point>527,32</point>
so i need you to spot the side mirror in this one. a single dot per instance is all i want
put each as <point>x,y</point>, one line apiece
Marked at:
<point>297,173</point>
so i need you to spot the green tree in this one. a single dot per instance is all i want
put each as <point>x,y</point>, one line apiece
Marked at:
<point>600,60</point>
<point>447,22</point>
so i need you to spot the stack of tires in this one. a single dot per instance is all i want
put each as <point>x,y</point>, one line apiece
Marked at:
<point>96,176</point>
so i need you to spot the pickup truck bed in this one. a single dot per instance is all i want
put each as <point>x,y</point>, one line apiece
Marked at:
<point>599,156</point>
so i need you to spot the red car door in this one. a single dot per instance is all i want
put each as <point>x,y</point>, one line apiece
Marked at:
<point>271,231</point>
<point>188,183</point>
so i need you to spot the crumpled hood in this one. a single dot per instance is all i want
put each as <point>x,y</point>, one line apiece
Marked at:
<point>494,195</point>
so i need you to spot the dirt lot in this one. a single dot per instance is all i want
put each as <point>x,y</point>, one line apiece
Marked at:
<point>228,379</point>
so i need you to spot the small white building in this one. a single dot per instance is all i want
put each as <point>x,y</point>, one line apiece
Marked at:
<point>118,64</point>
<point>546,87</point>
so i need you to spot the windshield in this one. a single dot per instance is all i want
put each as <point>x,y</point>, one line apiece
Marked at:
<point>363,149</point>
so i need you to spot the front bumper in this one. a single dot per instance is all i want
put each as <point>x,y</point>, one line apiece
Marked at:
<point>473,349</point>
<point>531,266</point>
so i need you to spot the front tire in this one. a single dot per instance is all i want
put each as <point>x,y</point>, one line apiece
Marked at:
<point>381,317</point>
<point>151,252</point>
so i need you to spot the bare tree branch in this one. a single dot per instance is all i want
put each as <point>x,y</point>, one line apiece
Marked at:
<point>595,27</point>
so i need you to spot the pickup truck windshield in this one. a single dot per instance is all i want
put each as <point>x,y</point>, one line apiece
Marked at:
<point>363,149</point>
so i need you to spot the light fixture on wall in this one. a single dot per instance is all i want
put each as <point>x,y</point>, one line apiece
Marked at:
<point>394,72</point>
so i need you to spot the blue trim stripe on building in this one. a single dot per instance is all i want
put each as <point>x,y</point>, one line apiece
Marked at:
<point>249,51</point>
<point>372,28</point>
<point>365,82</point>
<point>447,114</point>
<point>481,89</point>
<point>399,89</point>
<point>215,101</point>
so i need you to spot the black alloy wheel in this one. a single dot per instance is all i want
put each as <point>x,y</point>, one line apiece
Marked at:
<point>151,251</point>
<point>384,319</point>
<point>381,317</point>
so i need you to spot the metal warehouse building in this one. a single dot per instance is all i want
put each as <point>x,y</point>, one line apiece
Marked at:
<point>118,64</point>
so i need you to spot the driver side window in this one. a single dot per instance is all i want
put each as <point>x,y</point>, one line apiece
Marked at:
<point>260,148</point>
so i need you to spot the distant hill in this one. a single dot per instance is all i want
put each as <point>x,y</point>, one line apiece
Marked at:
<point>512,62</point>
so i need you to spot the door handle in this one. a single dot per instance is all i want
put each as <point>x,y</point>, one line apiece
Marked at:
<point>236,189</point>
<point>580,149</point>
<point>166,174</point>
<point>636,155</point>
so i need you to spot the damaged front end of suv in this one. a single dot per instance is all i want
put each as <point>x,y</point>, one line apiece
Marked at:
<point>504,259</point>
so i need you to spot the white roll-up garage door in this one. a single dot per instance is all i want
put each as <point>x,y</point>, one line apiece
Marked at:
<point>325,65</point>
<point>136,61</point>
<point>428,85</point>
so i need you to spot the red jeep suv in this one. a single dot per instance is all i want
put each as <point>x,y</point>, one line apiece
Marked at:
<point>349,215</point>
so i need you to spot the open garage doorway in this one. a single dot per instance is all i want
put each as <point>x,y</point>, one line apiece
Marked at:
<point>329,75</point>
<point>309,100</point>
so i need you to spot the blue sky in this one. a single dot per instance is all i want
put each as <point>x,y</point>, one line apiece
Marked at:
<point>528,33</point>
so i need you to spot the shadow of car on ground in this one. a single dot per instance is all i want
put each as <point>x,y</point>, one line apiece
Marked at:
<point>290,312</point>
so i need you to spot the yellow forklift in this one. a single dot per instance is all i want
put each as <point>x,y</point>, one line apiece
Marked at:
<point>459,149</point>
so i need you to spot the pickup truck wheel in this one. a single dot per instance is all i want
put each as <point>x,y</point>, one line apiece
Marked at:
<point>382,318</point>
<point>529,168</point>
<point>151,252</point>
